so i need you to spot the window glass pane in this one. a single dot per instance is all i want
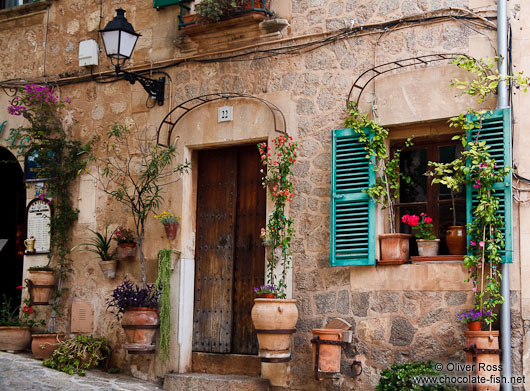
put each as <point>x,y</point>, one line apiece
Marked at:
<point>414,164</point>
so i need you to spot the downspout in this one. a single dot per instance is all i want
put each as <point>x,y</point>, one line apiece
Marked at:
<point>503,102</point>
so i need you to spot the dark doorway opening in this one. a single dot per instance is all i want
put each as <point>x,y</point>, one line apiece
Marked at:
<point>229,255</point>
<point>12,228</point>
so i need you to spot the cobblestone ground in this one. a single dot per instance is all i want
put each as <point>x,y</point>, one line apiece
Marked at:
<point>21,373</point>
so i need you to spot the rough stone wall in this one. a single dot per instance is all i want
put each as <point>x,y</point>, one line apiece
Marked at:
<point>390,326</point>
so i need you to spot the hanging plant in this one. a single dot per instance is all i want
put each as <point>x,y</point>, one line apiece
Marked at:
<point>164,287</point>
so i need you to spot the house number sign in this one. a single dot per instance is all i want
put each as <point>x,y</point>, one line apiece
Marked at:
<point>39,214</point>
<point>225,114</point>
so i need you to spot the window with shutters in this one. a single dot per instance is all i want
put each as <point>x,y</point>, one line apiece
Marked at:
<point>353,213</point>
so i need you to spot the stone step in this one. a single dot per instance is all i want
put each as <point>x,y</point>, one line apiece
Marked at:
<point>226,364</point>
<point>208,382</point>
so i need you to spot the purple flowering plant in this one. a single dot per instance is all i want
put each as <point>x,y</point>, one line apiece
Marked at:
<point>266,289</point>
<point>474,315</point>
<point>128,294</point>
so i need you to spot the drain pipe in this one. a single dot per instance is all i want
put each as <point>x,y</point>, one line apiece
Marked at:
<point>503,102</point>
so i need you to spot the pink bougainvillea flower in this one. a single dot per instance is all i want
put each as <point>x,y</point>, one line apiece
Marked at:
<point>474,289</point>
<point>473,243</point>
<point>481,243</point>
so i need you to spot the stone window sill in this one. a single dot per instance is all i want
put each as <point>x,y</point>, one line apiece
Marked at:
<point>23,10</point>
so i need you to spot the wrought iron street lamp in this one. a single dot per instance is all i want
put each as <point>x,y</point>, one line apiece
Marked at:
<point>119,39</point>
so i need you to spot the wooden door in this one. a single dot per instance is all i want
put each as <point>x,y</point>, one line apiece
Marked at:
<point>229,257</point>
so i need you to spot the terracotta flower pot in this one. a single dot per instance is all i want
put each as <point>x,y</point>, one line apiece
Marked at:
<point>328,355</point>
<point>487,364</point>
<point>268,296</point>
<point>140,324</point>
<point>41,286</point>
<point>126,251</point>
<point>14,338</point>
<point>428,248</point>
<point>456,240</point>
<point>109,268</point>
<point>274,320</point>
<point>394,249</point>
<point>43,345</point>
<point>474,326</point>
<point>171,230</point>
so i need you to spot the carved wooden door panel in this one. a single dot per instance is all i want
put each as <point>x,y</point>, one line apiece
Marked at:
<point>229,258</point>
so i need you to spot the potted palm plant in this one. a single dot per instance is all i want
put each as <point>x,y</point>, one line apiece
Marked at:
<point>394,247</point>
<point>100,245</point>
<point>275,318</point>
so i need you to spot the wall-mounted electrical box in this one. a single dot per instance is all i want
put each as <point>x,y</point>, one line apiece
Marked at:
<point>88,53</point>
<point>82,317</point>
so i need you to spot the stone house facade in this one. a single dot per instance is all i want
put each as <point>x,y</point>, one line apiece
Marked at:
<point>297,78</point>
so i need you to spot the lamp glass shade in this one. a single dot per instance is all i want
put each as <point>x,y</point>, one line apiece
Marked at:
<point>127,44</point>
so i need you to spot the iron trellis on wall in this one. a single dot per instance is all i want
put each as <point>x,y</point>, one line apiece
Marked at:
<point>164,138</point>
<point>360,84</point>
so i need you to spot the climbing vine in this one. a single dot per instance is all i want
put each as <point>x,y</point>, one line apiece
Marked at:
<point>47,138</point>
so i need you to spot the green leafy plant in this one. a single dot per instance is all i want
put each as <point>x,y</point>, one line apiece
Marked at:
<point>216,10</point>
<point>100,245</point>
<point>47,138</point>
<point>385,191</point>
<point>278,235</point>
<point>13,315</point>
<point>135,175</point>
<point>163,285</point>
<point>411,376</point>
<point>78,354</point>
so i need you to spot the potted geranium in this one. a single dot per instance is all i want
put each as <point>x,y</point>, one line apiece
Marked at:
<point>100,245</point>
<point>137,307</point>
<point>126,244</point>
<point>170,222</point>
<point>15,325</point>
<point>422,227</point>
<point>275,318</point>
<point>394,246</point>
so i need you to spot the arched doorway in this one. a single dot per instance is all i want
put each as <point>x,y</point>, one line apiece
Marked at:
<point>12,228</point>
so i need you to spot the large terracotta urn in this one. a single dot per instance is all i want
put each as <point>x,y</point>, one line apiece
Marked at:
<point>394,249</point>
<point>482,350</point>
<point>140,324</point>
<point>328,354</point>
<point>14,338</point>
<point>41,285</point>
<point>43,345</point>
<point>274,321</point>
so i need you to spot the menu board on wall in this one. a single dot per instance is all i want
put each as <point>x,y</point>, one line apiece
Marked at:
<point>39,217</point>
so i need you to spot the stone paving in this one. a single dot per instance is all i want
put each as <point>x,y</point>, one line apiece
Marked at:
<point>19,372</point>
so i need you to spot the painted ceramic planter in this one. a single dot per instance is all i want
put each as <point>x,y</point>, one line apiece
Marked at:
<point>274,321</point>
<point>428,248</point>
<point>14,338</point>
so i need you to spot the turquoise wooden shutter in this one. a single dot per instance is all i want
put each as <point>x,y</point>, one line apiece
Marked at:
<point>496,131</point>
<point>352,210</point>
<point>164,3</point>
